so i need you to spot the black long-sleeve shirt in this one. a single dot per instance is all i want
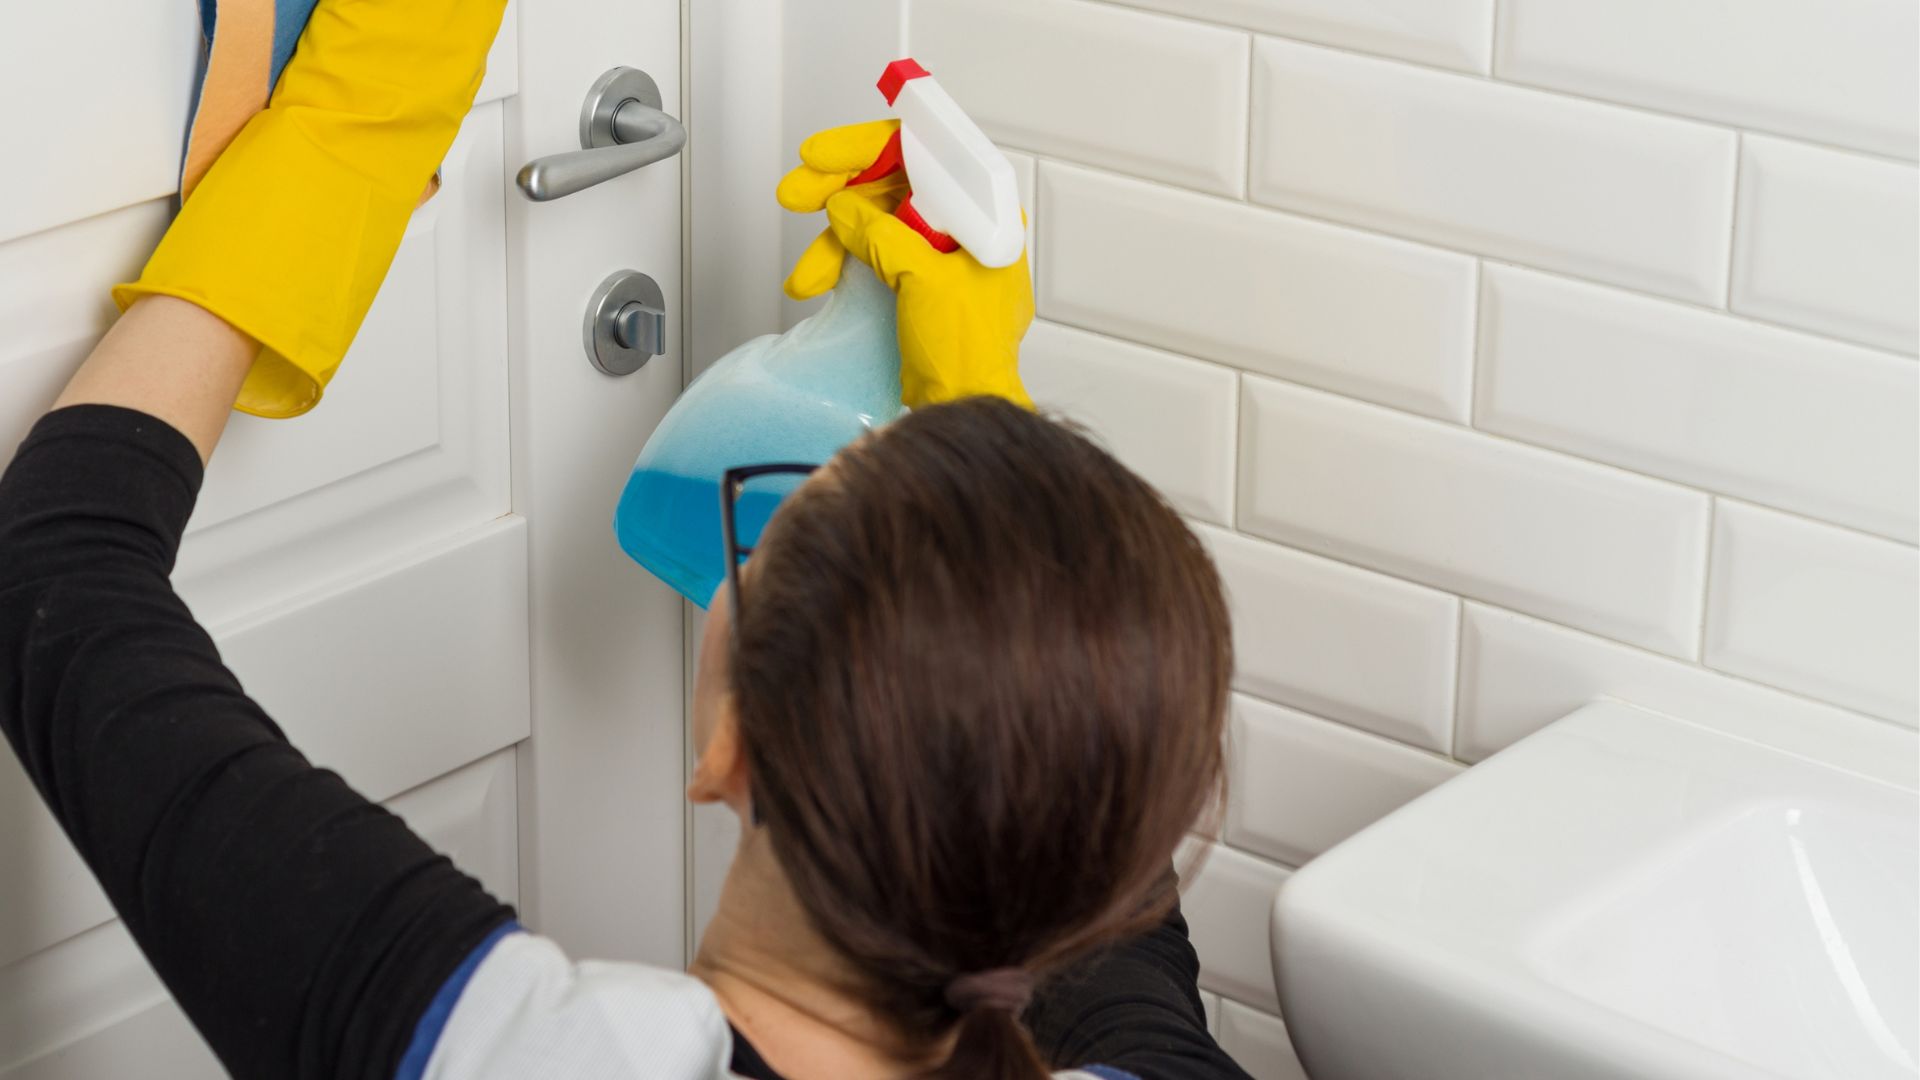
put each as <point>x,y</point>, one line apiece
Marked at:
<point>303,929</point>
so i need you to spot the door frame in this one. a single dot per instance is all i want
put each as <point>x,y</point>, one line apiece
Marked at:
<point>602,836</point>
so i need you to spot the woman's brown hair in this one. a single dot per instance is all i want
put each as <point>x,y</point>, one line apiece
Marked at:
<point>981,672</point>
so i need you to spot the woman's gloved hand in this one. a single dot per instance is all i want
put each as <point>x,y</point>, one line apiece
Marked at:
<point>960,322</point>
<point>829,161</point>
<point>290,233</point>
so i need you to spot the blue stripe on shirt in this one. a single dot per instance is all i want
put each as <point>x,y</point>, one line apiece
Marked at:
<point>426,1034</point>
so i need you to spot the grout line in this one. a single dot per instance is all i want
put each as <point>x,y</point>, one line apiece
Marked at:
<point>1459,677</point>
<point>1109,335</point>
<point>1033,227</point>
<point>1268,859</point>
<point>1246,145</point>
<point>1777,688</point>
<point>1733,218</point>
<point>1220,842</point>
<point>1259,32</point>
<point>1747,680</point>
<point>1378,233</point>
<point>1493,39</point>
<point>1706,581</point>
<point>1235,467</point>
<point>1696,306</point>
<point>1261,1010</point>
<point>1853,530</point>
<point>1348,727</point>
<point>1477,344</point>
<point>1458,428</point>
<point>1395,575</point>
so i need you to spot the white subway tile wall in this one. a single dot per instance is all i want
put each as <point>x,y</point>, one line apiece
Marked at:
<point>1169,418</point>
<point>1505,355</point>
<point>1365,315</point>
<point>1349,644</point>
<point>1299,785</point>
<point>1837,71</point>
<point>1519,674</point>
<point>1827,241</point>
<point>1436,503</point>
<point>1449,33</point>
<point>1821,611</point>
<point>1799,422</point>
<point>1232,893</point>
<point>1156,97</point>
<point>1543,179</point>
<point>1258,1041</point>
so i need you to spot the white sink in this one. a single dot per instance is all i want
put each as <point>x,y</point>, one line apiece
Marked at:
<point>1624,896</point>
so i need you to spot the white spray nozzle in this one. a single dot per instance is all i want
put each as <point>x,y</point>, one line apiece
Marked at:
<point>963,186</point>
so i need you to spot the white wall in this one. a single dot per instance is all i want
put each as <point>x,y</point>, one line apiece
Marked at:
<point>1507,353</point>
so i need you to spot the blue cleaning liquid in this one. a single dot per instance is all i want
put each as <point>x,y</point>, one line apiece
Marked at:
<point>677,506</point>
<point>795,397</point>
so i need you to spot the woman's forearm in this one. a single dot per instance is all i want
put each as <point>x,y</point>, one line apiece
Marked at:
<point>172,360</point>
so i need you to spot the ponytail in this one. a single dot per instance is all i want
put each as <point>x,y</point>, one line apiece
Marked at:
<point>991,1045</point>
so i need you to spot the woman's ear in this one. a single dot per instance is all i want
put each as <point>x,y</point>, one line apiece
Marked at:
<point>722,775</point>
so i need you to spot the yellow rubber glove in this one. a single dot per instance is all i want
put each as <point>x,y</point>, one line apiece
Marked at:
<point>960,322</point>
<point>829,161</point>
<point>292,230</point>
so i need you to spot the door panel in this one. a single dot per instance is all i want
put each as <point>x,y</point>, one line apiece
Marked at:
<point>468,815</point>
<point>390,679</point>
<point>411,440</point>
<point>91,1008</point>
<point>154,1040</point>
<point>54,304</point>
<point>122,96</point>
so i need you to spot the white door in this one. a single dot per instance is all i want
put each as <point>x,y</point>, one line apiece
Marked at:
<point>419,579</point>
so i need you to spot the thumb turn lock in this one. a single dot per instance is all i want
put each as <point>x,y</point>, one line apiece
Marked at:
<point>626,323</point>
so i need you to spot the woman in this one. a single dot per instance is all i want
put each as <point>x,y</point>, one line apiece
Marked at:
<point>972,700</point>
<point>966,696</point>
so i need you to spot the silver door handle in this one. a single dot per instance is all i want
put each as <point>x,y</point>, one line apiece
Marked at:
<point>621,129</point>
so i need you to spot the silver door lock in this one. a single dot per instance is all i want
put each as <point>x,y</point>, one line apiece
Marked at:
<point>626,323</point>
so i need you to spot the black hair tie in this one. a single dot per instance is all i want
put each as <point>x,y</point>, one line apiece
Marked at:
<point>1006,989</point>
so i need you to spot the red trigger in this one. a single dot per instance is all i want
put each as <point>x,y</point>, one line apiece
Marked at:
<point>941,242</point>
<point>889,162</point>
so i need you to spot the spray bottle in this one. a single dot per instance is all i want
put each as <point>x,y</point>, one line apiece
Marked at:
<point>802,395</point>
